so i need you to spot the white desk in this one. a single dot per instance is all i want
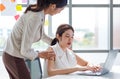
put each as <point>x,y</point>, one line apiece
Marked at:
<point>113,74</point>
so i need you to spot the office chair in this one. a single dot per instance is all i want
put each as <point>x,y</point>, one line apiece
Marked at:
<point>35,68</point>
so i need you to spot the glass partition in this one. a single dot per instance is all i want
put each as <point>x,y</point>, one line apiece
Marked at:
<point>116,28</point>
<point>90,1</point>
<point>91,28</point>
<point>58,19</point>
<point>116,1</point>
<point>91,23</point>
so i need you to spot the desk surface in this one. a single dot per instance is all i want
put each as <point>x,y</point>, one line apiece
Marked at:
<point>113,74</point>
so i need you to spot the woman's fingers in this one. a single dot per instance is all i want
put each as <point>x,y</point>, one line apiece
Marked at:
<point>46,54</point>
<point>51,55</point>
<point>94,68</point>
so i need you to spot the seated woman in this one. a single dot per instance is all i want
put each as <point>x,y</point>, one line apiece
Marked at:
<point>66,60</point>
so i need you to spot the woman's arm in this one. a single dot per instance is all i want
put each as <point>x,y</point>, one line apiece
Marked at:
<point>87,65</point>
<point>53,71</point>
<point>80,61</point>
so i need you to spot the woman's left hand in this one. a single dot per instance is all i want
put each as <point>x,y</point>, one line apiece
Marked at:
<point>46,54</point>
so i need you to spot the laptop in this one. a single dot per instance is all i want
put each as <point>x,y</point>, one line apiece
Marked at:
<point>106,67</point>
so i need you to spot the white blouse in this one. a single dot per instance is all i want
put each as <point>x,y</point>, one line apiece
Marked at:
<point>63,59</point>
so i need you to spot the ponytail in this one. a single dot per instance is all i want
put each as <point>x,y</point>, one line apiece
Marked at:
<point>54,41</point>
<point>43,4</point>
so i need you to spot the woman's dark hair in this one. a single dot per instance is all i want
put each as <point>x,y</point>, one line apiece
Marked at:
<point>43,4</point>
<point>60,30</point>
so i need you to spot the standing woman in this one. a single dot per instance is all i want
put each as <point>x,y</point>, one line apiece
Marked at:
<point>28,30</point>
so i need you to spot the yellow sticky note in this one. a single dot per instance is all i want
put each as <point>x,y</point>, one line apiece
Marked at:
<point>46,23</point>
<point>19,7</point>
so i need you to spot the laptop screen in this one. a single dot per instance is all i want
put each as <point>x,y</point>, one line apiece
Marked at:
<point>110,59</point>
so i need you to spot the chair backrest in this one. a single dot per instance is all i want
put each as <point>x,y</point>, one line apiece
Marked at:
<point>35,68</point>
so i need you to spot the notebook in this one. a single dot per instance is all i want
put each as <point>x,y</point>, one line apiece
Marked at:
<point>106,67</point>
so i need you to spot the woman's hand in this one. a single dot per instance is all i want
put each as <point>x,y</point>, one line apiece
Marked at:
<point>46,55</point>
<point>94,68</point>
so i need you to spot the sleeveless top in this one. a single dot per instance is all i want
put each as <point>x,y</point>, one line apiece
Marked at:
<point>63,59</point>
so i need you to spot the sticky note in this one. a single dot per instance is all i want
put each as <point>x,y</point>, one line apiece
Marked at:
<point>16,17</point>
<point>12,0</point>
<point>2,7</point>
<point>19,7</point>
<point>46,23</point>
<point>24,1</point>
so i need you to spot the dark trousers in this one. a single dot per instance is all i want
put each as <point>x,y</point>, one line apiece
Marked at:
<point>16,67</point>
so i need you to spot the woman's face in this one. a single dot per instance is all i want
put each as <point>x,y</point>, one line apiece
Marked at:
<point>56,11</point>
<point>66,39</point>
<point>53,10</point>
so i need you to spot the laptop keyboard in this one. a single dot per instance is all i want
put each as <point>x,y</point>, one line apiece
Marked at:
<point>87,73</point>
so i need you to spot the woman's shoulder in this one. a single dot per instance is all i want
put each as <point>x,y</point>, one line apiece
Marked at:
<point>50,48</point>
<point>70,51</point>
<point>34,17</point>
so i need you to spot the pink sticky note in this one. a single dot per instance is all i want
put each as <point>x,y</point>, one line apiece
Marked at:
<point>24,1</point>
<point>16,17</point>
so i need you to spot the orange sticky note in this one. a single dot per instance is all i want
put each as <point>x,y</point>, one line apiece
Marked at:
<point>12,0</point>
<point>2,7</point>
<point>19,7</point>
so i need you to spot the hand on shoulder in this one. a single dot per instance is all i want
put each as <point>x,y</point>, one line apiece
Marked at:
<point>48,54</point>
